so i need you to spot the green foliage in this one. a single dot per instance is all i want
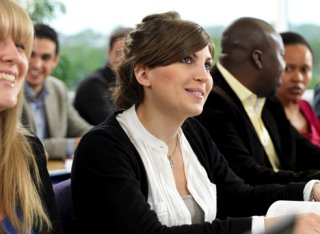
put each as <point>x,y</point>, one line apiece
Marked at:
<point>215,33</point>
<point>80,55</point>
<point>42,10</point>
<point>65,70</point>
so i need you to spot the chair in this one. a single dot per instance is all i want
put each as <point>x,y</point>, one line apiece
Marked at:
<point>62,192</point>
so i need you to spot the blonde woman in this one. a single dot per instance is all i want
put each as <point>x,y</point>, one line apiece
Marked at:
<point>26,197</point>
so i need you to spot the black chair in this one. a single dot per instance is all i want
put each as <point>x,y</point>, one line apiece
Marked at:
<point>62,192</point>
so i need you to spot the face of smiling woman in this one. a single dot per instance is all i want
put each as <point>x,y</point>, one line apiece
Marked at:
<point>179,89</point>
<point>13,68</point>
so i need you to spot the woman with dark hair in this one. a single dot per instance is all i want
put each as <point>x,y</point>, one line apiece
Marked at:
<point>151,168</point>
<point>295,79</point>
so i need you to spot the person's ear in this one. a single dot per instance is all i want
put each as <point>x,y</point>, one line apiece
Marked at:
<point>256,56</point>
<point>141,73</point>
<point>56,60</point>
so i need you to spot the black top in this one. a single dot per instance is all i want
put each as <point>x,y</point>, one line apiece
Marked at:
<point>92,99</point>
<point>226,120</point>
<point>45,190</point>
<point>110,188</point>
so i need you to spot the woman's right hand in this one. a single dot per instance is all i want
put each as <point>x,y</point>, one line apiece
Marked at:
<point>307,223</point>
<point>304,224</point>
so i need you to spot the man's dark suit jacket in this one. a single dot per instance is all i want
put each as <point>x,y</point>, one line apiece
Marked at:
<point>92,98</point>
<point>229,125</point>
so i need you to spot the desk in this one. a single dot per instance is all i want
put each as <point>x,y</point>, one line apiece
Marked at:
<point>55,165</point>
<point>59,169</point>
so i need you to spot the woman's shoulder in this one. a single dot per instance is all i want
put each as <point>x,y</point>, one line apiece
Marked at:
<point>109,131</point>
<point>305,104</point>
<point>35,143</point>
<point>193,124</point>
<point>195,132</point>
<point>38,151</point>
<point>109,126</point>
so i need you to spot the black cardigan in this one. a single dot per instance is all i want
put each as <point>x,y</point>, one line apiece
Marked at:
<point>45,189</point>
<point>92,98</point>
<point>110,189</point>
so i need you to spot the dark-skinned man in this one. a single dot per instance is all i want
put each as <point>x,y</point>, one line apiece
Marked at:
<point>245,120</point>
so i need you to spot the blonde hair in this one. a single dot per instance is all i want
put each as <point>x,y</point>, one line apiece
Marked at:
<point>19,197</point>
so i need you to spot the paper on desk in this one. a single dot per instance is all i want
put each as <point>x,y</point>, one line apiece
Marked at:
<point>282,207</point>
<point>68,163</point>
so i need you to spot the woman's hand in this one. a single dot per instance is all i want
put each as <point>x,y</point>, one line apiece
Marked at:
<point>307,223</point>
<point>304,224</point>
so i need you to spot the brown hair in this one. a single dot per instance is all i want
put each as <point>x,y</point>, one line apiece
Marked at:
<point>159,40</point>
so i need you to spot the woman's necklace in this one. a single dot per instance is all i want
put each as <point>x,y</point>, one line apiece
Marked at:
<point>171,155</point>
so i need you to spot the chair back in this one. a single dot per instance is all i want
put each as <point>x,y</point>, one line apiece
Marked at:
<point>62,191</point>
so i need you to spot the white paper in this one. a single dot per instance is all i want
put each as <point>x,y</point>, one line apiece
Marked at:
<point>282,207</point>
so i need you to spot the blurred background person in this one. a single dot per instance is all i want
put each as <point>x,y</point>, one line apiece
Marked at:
<point>27,202</point>
<point>92,98</point>
<point>47,110</point>
<point>297,75</point>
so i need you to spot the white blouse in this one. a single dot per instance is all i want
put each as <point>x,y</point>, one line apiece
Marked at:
<point>163,196</point>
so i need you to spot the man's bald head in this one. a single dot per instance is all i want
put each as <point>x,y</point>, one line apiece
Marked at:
<point>245,34</point>
<point>252,51</point>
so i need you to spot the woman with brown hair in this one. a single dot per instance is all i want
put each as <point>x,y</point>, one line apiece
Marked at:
<point>151,168</point>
